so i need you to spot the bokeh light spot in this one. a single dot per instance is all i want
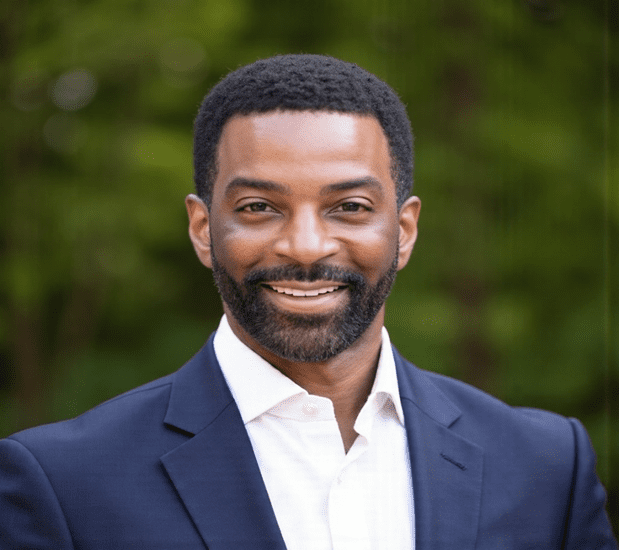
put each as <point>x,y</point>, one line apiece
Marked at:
<point>74,89</point>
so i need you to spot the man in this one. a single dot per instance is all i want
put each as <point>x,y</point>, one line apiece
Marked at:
<point>298,425</point>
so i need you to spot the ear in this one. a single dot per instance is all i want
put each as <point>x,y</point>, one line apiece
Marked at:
<point>408,216</point>
<point>199,230</point>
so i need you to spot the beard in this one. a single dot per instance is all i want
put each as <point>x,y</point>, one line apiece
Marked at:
<point>308,338</point>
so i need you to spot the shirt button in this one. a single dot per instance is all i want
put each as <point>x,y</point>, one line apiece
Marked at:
<point>310,409</point>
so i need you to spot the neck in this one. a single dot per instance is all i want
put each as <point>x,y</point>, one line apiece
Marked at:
<point>347,382</point>
<point>345,379</point>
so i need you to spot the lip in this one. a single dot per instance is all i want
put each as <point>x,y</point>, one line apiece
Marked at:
<point>307,304</point>
<point>300,289</point>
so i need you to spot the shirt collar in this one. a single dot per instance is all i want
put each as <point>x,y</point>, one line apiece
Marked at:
<point>257,386</point>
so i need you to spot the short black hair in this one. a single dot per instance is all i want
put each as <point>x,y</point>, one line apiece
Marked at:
<point>301,82</point>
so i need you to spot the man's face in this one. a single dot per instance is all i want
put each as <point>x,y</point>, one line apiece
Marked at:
<point>304,230</point>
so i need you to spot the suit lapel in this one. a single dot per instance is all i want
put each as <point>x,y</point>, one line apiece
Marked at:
<point>446,468</point>
<point>215,472</point>
<point>218,479</point>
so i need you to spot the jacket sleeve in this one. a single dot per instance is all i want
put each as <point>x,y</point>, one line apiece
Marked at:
<point>30,514</point>
<point>588,525</point>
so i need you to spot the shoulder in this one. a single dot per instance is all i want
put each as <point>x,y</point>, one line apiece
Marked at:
<point>478,404</point>
<point>538,466</point>
<point>135,426</point>
<point>544,458</point>
<point>133,415</point>
<point>495,426</point>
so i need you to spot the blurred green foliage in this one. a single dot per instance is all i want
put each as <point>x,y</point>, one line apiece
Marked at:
<point>513,283</point>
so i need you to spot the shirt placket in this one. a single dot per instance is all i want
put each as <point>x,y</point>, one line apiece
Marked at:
<point>347,497</point>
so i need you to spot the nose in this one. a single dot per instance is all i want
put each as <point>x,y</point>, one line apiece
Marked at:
<point>306,238</point>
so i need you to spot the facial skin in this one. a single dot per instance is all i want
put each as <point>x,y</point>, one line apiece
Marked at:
<point>304,204</point>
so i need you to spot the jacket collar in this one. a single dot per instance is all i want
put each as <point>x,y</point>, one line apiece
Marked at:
<point>228,501</point>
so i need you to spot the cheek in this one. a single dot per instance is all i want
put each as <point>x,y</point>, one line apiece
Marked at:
<point>238,247</point>
<point>373,248</point>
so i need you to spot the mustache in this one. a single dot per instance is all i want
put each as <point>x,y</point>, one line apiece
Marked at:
<point>297,273</point>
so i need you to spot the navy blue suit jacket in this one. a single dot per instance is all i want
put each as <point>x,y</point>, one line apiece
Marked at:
<point>169,465</point>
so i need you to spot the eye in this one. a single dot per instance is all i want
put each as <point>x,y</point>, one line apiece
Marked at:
<point>351,206</point>
<point>256,207</point>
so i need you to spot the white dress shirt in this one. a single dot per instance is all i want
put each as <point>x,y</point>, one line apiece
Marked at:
<point>323,497</point>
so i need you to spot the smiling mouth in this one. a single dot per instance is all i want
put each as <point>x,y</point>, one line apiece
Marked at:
<point>303,291</point>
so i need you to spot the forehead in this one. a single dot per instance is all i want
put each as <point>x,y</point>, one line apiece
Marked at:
<point>290,145</point>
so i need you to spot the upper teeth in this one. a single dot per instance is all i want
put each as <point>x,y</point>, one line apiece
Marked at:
<point>296,292</point>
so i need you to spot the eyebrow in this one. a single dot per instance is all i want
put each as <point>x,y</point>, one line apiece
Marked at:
<point>368,182</point>
<point>260,185</point>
